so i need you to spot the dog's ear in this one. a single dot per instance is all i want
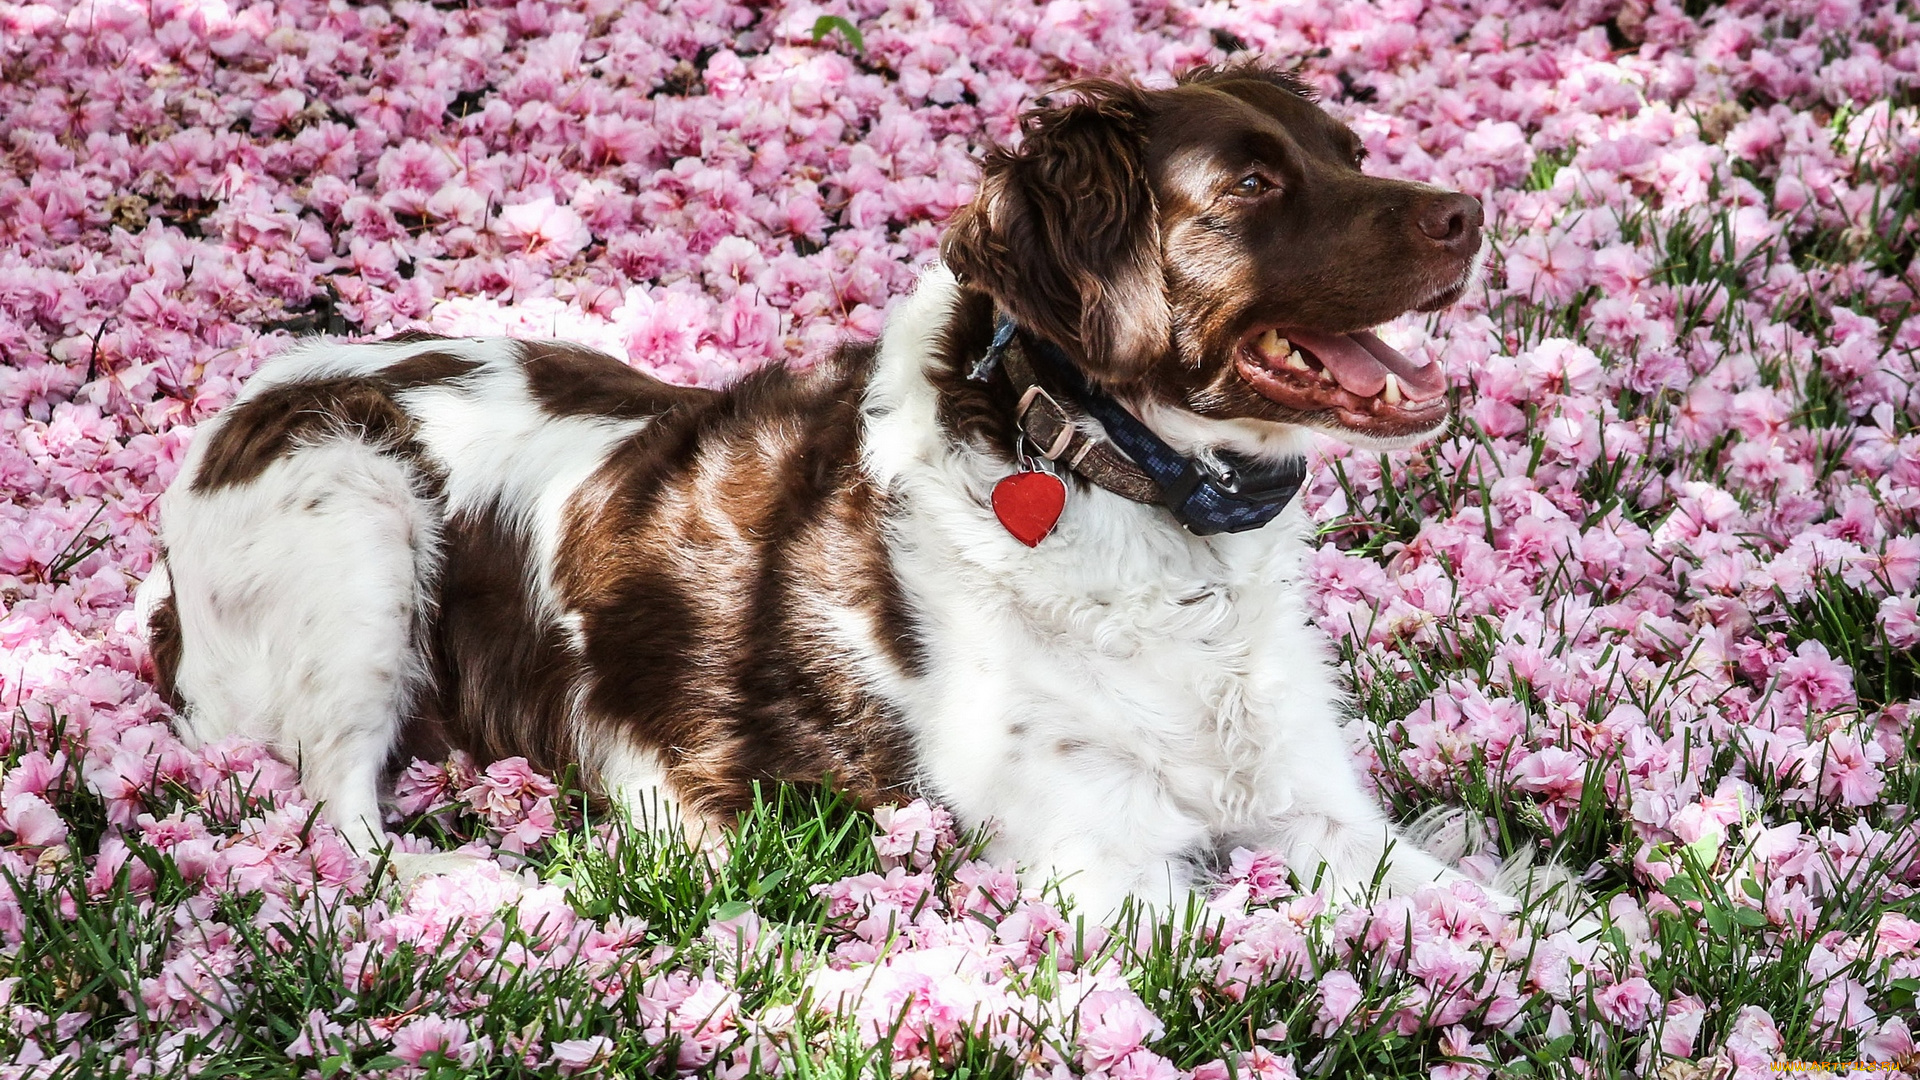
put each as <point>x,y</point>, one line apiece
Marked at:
<point>1065,234</point>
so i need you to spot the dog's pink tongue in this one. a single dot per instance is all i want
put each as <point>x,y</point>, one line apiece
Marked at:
<point>1419,379</point>
<point>1360,361</point>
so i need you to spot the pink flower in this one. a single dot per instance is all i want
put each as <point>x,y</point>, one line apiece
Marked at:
<point>665,328</point>
<point>317,1037</point>
<point>440,904</point>
<point>274,111</point>
<point>1814,680</point>
<point>911,834</point>
<point>617,139</point>
<point>575,1056</point>
<point>33,822</point>
<point>1546,270</point>
<point>1708,819</point>
<point>1896,935</point>
<point>423,786</point>
<point>1502,145</point>
<point>748,324</point>
<point>1754,1040</point>
<point>1681,1027</point>
<point>508,789</point>
<point>1144,1065</point>
<point>1899,620</point>
<point>1339,994</point>
<point>544,230</point>
<point>1265,873</point>
<point>33,774</point>
<point>1114,1024</point>
<point>1553,772</point>
<point>1628,1004</point>
<point>1847,769</point>
<point>1260,1063</point>
<point>431,1034</point>
<point>1892,1040</point>
<point>1466,1055</point>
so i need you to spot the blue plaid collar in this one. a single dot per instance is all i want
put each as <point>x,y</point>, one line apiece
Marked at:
<point>1226,493</point>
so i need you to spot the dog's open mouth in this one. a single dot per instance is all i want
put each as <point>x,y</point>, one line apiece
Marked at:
<point>1365,383</point>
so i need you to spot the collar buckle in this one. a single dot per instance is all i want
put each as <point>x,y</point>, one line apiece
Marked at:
<point>1251,480</point>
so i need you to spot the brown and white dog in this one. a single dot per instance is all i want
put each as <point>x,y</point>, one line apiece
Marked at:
<point>525,548</point>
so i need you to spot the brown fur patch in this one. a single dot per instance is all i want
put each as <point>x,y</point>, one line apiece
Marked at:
<point>263,429</point>
<point>166,645</point>
<point>716,562</point>
<point>1065,231</point>
<point>503,672</point>
<point>711,559</point>
<point>572,380</point>
<point>427,369</point>
<point>888,606</point>
<point>980,413</point>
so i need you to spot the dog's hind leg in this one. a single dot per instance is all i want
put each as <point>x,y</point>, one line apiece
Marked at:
<point>635,783</point>
<point>302,596</point>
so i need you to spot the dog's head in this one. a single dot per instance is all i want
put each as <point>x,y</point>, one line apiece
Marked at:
<point>1214,249</point>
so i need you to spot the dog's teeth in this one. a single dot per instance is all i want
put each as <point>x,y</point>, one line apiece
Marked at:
<point>1325,375</point>
<point>1271,345</point>
<point>1296,361</point>
<point>1391,394</point>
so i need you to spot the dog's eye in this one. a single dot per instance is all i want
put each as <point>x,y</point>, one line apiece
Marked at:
<point>1252,184</point>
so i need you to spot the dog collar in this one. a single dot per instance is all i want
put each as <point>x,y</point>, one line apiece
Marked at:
<point>1207,495</point>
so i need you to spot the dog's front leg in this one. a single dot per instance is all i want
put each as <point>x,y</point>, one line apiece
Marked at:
<point>1064,796</point>
<point>1328,826</point>
<point>1104,833</point>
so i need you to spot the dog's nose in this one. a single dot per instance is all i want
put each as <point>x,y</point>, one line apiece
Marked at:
<point>1453,221</point>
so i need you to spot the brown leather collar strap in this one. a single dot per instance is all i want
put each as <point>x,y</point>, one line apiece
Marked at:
<point>1053,433</point>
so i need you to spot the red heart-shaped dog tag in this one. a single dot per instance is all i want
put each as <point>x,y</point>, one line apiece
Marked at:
<point>1029,505</point>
